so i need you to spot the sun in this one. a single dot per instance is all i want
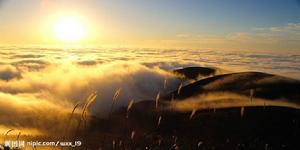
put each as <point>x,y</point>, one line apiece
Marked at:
<point>69,29</point>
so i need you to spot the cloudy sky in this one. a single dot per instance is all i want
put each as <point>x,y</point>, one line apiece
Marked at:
<point>199,24</point>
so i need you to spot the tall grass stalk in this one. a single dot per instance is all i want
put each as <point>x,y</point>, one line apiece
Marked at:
<point>159,120</point>
<point>71,116</point>
<point>87,103</point>
<point>193,113</point>
<point>5,135</point>
<point>165,83</point>
<point>130,104</point>
<point>251,94</point>
<point>132,134</point>
<point>69,122</point>
<point>157,100</point>
<point>18,137</point>
<point>114,99</point>
<point>179,89</point>
<point>242,111</point>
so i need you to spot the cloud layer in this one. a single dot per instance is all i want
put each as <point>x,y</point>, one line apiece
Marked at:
<point>36,82</point>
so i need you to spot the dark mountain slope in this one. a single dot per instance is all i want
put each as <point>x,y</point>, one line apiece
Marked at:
<point>195,72</point>
<point>263,86</point>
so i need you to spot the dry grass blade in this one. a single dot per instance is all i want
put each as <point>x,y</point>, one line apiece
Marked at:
<point>88,102</point>
<point>251,94</point>
<point>267,147</point>
<point>242,111</point>
<point>116,95</point>
<point>73,111</point>
<point>70,119</point>
<point>199,143</point>
<point>130,105</point>
<point>132,135</point>
<point>193,113</point>
<point>91,99</point>
<point>18,137</point>
<point>114,144</point>
<point>69,123</point>
<point>179,89</point>
<point>157,100</point>
<point>159,120</point>
<point>165,83</point>
<point>10,130</point>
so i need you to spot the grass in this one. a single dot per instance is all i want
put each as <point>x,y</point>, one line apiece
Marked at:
<point>159,120</point>
<point>130,104</point>
<point>157,100</point>
<point>158,138</point>
<point>193,113</point>
<point>179,89</point>
<point>242,111</point>
<point>90,99</point>
<point>7,132</point>
<point>114,99</point>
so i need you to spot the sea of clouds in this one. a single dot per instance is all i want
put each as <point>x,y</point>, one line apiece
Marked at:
<point>40,84</point>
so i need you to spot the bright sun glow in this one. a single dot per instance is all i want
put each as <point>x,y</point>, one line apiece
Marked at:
<point>69,29</point>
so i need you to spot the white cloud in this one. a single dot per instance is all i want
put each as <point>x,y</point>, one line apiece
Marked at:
<point>183,35</point>
<point>69,83</point>
<point>291,27</point>
<point>31,87</point>
<point>275,38</point>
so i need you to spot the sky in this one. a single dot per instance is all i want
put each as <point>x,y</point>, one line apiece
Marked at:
<point>196,24</point>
